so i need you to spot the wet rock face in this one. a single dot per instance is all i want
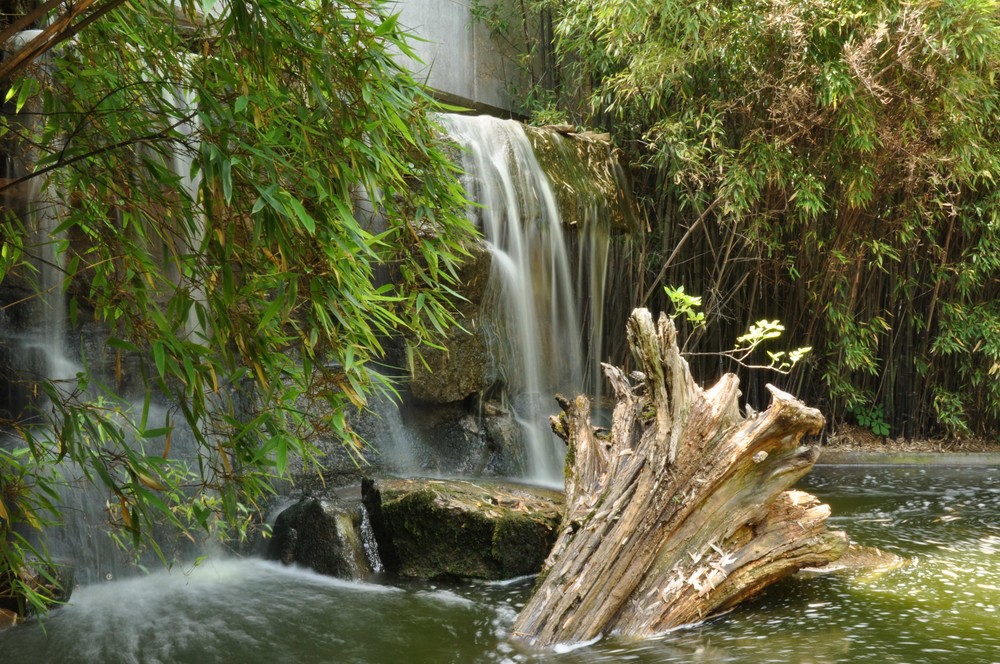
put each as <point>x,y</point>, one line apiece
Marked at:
<point>462,439</point>
<point>485,530</point>
<point>464,369</point>
<point>464,366</point>
<point>322,535</point>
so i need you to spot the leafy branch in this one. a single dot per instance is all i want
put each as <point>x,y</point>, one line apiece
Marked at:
<point>224,248</point>
<point>688,307</point>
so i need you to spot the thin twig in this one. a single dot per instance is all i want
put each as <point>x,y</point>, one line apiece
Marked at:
<point>690,231</point>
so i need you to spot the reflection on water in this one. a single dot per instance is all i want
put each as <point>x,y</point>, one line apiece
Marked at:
<point>941,608</point>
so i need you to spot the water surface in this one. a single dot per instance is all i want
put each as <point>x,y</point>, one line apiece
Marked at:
<point>940,608</point>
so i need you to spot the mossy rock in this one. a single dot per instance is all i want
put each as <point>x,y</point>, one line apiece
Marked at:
<point>464,529</point>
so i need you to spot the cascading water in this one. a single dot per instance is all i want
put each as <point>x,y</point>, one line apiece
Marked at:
<point>37,348</point>
<point>182,159</point>
<point>369,543</point>
<point>42,343</point>
<point>531,303</point>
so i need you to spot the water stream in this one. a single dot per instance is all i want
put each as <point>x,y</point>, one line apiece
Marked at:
<point>940,608</point>
<point>532,304</point>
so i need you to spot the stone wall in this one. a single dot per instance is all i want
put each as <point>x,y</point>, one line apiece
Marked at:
<point>462,60</point>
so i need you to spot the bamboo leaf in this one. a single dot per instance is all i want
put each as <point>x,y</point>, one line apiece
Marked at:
<point>160,358</point>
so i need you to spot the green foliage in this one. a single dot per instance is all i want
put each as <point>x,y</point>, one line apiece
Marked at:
<point>545,111</point>
<point>491,15</point>
<point>27,495</point>
<point>950,411</point>
<point>686,306</point>
<point>970,338</point>
<point>251,299</point>
<point>871,418</point>
<point>838,160</point>
<point>760,332</point>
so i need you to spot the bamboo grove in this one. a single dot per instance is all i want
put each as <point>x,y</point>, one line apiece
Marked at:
<point>209,166</point>
<point>829,163</point>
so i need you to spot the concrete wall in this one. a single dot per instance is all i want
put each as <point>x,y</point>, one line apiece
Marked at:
<point>461,61</point>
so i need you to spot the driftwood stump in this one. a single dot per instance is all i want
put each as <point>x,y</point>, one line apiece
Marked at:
<point>681,510</point>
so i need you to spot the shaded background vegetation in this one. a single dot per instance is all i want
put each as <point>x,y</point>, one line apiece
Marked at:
<point>829,163</point>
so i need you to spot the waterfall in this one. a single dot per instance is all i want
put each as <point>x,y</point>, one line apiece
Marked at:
<point>369,543</point>
<point>38,346</point>
<point>182,160</point>
<point>533,303</point>
<point>541,315</point>
<point>41,343</point>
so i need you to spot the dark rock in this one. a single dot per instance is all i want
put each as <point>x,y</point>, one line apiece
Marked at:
<point>467,438</point>
<point>452,374</point>
<point>505,443</point>
<point>486,530</point>
<point>322,535</point>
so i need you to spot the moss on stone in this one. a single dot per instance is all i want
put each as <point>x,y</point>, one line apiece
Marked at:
<point>433,541</point>
<point>464,529</point>
<point>521,543</point>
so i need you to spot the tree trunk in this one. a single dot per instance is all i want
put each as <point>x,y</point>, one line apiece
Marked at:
<point>680,511</point>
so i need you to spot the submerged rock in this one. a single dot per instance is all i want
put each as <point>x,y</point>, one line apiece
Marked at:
<point>460,528</point>
<point>860,560</point>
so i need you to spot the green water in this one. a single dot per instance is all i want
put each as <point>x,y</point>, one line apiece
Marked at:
<point>941,608</point>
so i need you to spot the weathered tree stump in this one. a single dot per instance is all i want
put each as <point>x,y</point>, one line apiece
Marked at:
<point>680,511</point>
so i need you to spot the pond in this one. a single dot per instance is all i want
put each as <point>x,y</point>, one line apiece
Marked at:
<point>943,607</point>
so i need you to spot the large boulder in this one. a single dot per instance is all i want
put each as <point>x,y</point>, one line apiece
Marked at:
<point>464,529</point>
